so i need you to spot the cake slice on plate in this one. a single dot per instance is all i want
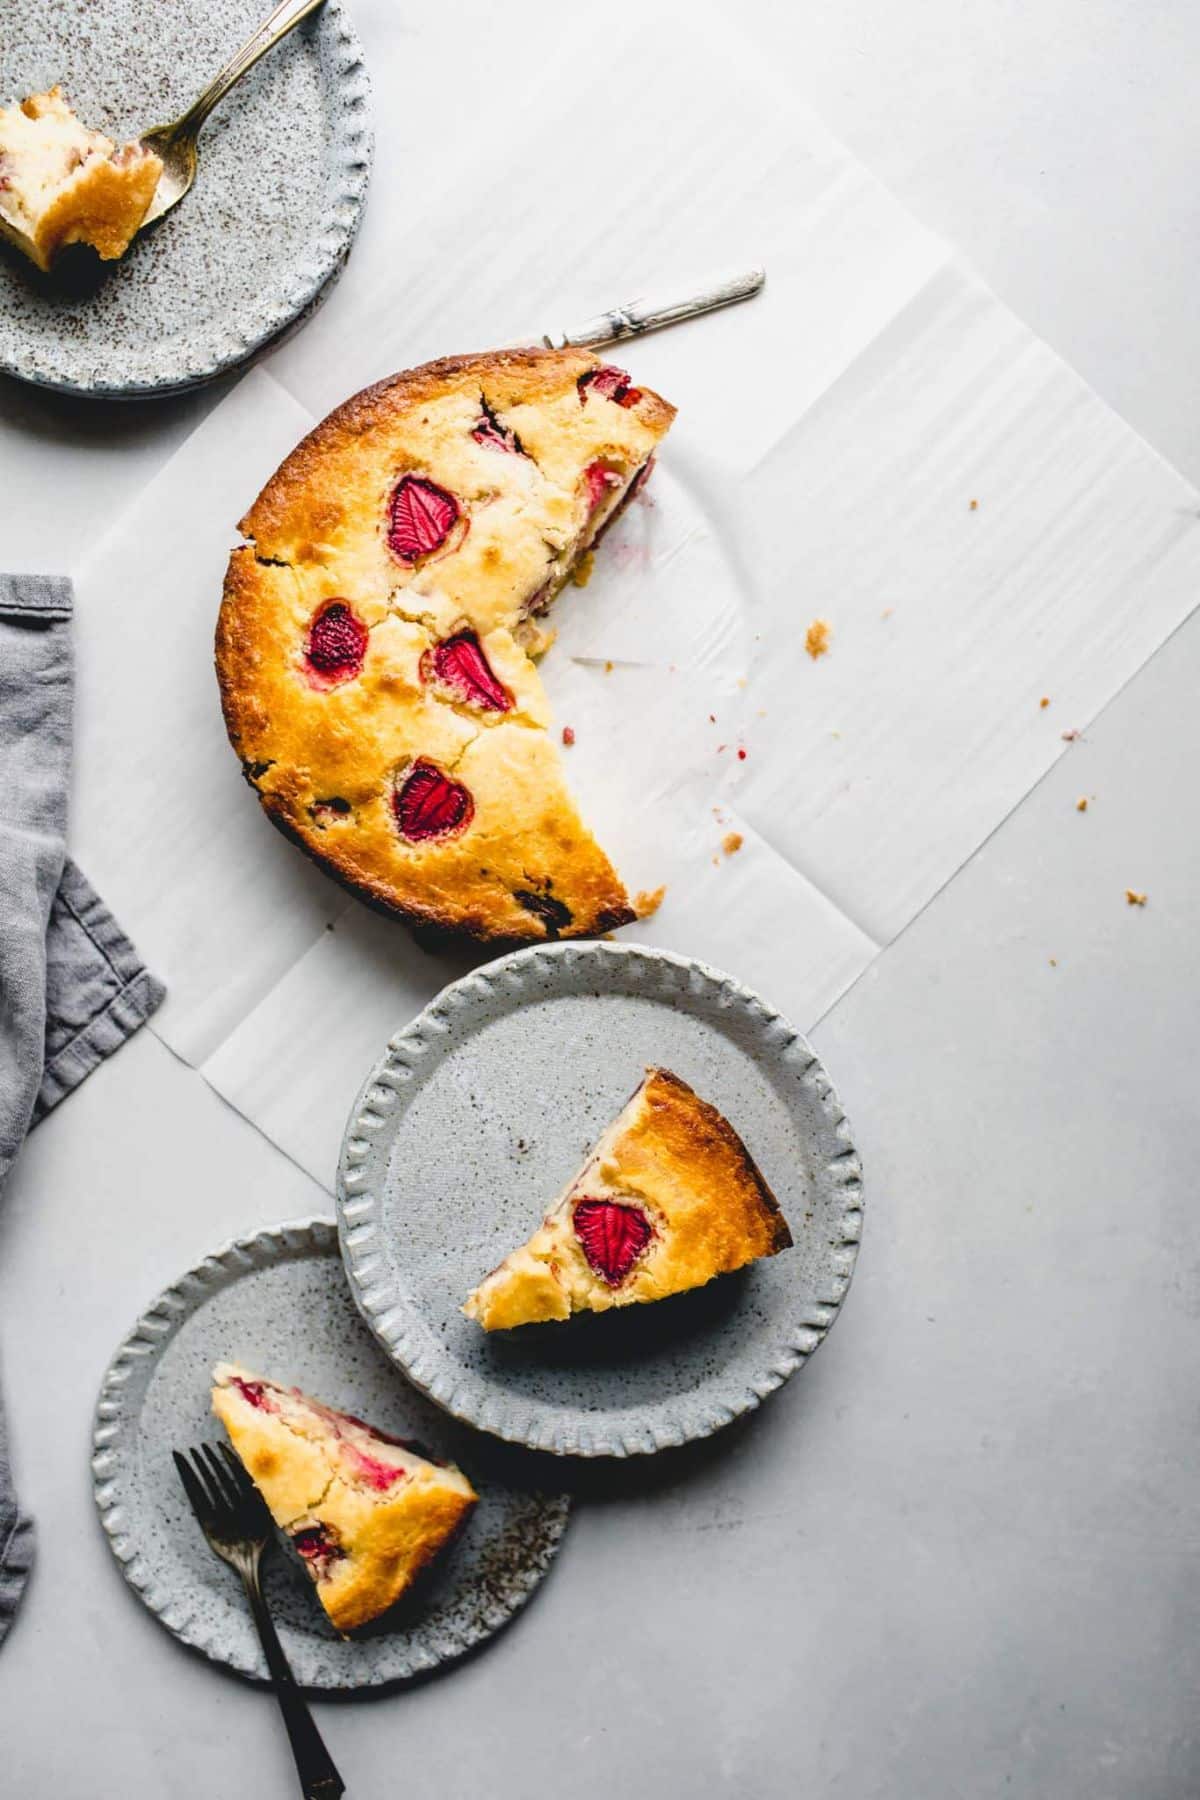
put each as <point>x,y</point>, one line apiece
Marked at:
<point>365,1511</point>
<point>669,1198</point>
<point>63,184</point>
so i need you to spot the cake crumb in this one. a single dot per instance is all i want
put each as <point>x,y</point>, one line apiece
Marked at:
<point>645,904</point>
<point>608,668</point>
<point>1133,898</point>
<point>1069,736</point>
<point>1054,962</point>
<point>1044,702</point>
<point>581,574</point>
<point>732,843</point>
<point>816,640</point>
<point>712,718</point>
<point>887,612</point>
<point>1081,804</point>
<point>974,505</point>
<point>568,735</point>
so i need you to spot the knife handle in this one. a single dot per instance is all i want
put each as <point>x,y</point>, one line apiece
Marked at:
<point>640,316</point>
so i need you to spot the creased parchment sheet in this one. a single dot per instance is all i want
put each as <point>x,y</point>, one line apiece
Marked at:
<point>877,443</point>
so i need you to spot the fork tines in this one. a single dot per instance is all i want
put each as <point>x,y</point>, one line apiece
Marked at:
<point>222,1495</point>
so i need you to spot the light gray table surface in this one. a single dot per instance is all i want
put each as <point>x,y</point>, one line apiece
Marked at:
<point>957,1556</point>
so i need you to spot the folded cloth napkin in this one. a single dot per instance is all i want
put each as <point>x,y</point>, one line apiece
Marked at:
<point>71,986</point>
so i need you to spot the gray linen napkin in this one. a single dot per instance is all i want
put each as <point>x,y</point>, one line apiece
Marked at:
<point>71,986</point>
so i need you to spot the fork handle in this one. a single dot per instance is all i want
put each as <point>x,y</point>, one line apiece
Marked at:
<point>285,18</point>
<point>319,1779</point>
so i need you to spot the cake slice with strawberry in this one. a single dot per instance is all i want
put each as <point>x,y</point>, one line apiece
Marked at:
<point>61,183</point>
<point>669,1198</point>
<point>364,1511</point>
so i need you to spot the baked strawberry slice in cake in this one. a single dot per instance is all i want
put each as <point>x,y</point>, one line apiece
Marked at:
<point>364,1511</point>
<point>380,625</point>
<point>669,1198</point>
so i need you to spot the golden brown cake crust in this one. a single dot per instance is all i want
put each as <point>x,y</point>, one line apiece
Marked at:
<point>327,758</point>
<point>697,1140</point>
<point>681,1164</point>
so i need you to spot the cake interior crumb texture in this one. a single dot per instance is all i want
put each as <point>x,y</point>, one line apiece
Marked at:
<point>61,183</point>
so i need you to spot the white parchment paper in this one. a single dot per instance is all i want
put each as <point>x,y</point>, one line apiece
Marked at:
<point>877,443</point>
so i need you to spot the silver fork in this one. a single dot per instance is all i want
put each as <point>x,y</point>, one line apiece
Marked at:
<point>234,1518</point>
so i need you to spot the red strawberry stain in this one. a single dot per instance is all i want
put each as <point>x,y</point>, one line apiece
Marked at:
<point>600,478</point>
<point>612,1236</point>
<point>336,645</point>
<point>314,1541</point>
<point>427,804</point>
<point>488,431</point>
<point>320,1550</point>
<point>568,735</point>
<point>610,381</point>
<point>254,1393</point>
<point>371,1469</point>
<point>420,518</point>
<point>459,664</point>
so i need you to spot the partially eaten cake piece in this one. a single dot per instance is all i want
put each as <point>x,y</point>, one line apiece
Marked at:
<point>63,184</point>
<point>365,1511</point>
<point>669,1198</point>
<point>377,637</point>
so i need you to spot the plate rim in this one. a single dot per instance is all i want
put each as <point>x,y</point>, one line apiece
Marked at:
<point>154,1328</point>
<point>230,347</point>
<point>359,1218</point>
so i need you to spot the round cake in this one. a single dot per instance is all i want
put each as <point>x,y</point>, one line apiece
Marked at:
<point>377,637</point>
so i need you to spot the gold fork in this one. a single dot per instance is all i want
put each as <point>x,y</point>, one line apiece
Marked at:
<point>176,142</point>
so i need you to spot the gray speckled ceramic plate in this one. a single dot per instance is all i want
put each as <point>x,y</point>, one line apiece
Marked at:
<point>479,1113</point>
<point>284,163</point>
<point>278,1303</point>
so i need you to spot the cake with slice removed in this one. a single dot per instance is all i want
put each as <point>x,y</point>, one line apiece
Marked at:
<point>63,184</point>
<point>669,1198</point>
<point>364,1511</point>
<point>377,638</point>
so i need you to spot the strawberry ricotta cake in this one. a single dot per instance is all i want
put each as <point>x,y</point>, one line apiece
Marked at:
<point>377,639</point>
<point>63,184</point>
<point>363,1510</point>
<point>669,1198</point>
